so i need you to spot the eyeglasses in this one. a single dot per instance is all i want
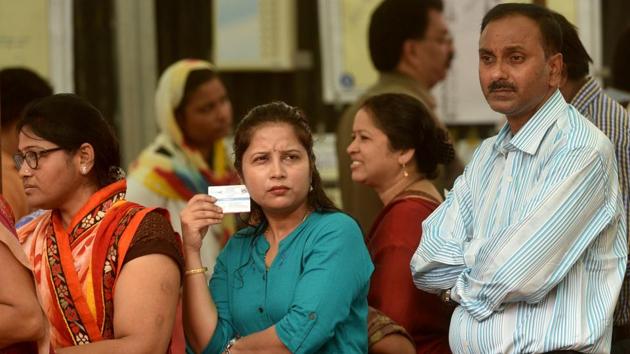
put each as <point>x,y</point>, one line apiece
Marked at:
<point>32,157</point>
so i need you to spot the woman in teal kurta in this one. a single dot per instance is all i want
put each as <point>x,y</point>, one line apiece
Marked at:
<point>314,292</point>
<point>295,281</point>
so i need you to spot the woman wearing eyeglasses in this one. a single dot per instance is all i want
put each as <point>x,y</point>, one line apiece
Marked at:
<point>108,270</point>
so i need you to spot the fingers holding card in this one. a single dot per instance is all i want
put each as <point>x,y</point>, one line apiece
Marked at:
<point>232,199</point>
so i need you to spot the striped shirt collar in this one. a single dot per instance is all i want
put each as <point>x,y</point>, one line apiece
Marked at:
<point>530,136</point>
<point>586,94</point>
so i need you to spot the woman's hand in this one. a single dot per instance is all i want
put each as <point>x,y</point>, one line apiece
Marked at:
<point>196,217</point>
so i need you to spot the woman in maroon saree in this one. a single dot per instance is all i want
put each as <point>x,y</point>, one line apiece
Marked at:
<point>396,149</point>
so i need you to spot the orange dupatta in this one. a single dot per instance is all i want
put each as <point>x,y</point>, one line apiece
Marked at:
<point>76,268</point>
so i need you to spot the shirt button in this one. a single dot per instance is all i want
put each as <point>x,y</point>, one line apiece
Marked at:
<point>312,316</point>
<point>260,309</point>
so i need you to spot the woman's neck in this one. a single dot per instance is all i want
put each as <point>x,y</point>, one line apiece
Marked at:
<point>208,153</point>
<point>280,225</point>
<point>414,181</point>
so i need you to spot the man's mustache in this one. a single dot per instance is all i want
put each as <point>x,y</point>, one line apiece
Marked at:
<point>501,85</point>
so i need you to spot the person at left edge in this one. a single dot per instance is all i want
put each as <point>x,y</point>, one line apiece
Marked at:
<point>18,87</point>
<point>23,325</point>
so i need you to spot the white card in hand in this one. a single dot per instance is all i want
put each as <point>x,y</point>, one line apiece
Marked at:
<point>232,199</point>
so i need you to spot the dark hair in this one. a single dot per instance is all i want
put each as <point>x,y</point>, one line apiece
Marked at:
<point>18,87</point>
<point>195,79</point>
<point>574,55</point>
<point>280,112</point>
<point>549,28</point>
<point>392,23</point>
<point>408,124</point>
<point>69,121</point>
<point>621,60</point>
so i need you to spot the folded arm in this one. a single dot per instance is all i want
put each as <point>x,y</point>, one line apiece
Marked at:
<point>439,259</point>
<point>527,259</point>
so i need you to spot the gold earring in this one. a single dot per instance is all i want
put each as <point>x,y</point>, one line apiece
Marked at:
<point>404,168</point>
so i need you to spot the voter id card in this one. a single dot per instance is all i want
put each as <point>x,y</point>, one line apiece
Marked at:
<point>232,199</point>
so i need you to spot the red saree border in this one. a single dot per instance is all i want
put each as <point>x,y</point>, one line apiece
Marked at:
<point>94,210</point>
<point>70,301</point>
<point>109,254</point>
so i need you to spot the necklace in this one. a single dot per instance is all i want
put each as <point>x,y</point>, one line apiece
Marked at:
<point>424,188</point>
<point>412,183</point>
<point>271,252</point>
<point>269,232</point>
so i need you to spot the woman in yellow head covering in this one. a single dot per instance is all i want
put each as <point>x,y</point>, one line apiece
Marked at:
<point>194,114</point>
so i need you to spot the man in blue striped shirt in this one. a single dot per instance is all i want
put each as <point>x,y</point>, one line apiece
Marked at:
<point>585,94</point>
<point>530,242</point>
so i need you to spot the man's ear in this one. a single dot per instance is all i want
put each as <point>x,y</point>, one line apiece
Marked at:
<point>410,50</point>
<point>556,70</point>
<point>85,158</point>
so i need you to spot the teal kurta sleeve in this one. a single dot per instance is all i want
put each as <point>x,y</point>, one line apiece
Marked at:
<point>334,282</point>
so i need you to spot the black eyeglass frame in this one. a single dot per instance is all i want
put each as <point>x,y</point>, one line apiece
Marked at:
<point>32,157</point>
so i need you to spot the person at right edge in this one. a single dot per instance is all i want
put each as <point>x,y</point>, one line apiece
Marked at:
<point>585,94</point>
<point>531,241</point>
<point>411,47</point>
